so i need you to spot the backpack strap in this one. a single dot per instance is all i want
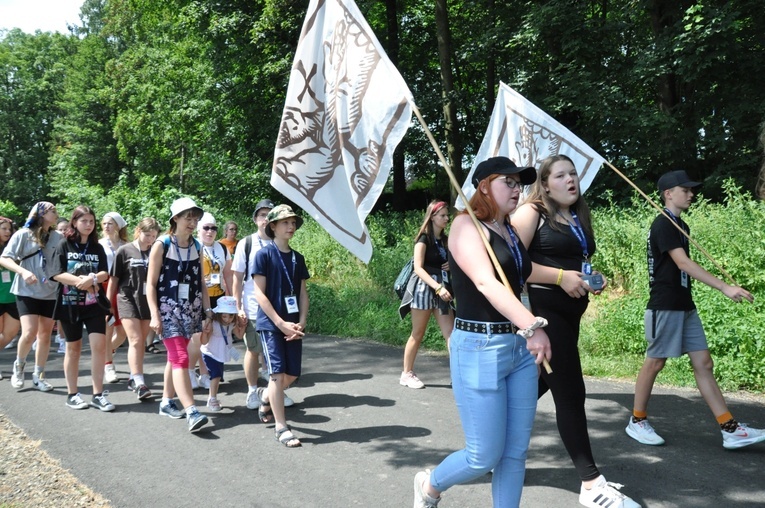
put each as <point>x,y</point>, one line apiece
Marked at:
<point>30,255</point>
<point>247,250</point>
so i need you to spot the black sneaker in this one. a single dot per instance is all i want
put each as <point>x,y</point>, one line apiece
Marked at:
<point>143,392</point>
<point>76,402</point>
<point>102,403</point>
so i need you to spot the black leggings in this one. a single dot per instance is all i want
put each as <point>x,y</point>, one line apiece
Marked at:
<point>566,383</point>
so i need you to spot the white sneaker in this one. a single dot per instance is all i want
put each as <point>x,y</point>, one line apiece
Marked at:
<point>410,380</point>
<point>42,384</point>
<point>34,346</point>
<point>287,401</point>
<point>194,382</point>
<point>605,493</point>
<point>744,436</point>
<point>61,347</point>
<point>252,400</point>
<point>17,378</point>
<point>262,374</point>
<point>110,374</point>
<point>204,381</point>
<point>213,404</point>
<point>12,343</point>
<point>421,498</point>
<point>642,432</point>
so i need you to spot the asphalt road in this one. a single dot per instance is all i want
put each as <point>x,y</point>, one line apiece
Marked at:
<point>364,437</point>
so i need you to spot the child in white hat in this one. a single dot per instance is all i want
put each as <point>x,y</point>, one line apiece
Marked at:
<point>217,344</point>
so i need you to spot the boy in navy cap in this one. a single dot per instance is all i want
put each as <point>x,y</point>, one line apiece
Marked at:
<point>672,325</point>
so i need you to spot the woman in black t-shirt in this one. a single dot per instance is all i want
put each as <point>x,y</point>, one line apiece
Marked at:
<point>429,289</point>
<point>79,265</point>
<point>127,290</point>
<point>555,225</point>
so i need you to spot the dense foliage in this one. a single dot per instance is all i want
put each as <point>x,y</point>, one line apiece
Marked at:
<point>187,94</point>
<point>349,298</point>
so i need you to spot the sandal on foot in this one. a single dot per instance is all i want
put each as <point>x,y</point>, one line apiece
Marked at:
<point>285,437</point>
<point>264,411</point>
<point>152,349</point>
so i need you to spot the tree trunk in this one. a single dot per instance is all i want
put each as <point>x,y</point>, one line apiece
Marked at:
<point>451,122</point>
<point>399,176</point>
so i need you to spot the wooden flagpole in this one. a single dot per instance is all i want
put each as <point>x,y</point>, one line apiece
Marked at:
<point>677,226</point>
<point>470,212</point>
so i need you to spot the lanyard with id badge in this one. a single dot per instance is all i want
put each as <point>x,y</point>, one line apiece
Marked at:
<point>290,301</point>
<point>444,259</point>
<point>215,278</point>
<point>518,258</point>
<point>595,281</point>
<point>183,287</point>
<point>232,352</point>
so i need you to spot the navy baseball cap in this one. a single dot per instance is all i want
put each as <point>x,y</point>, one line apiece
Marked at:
<point>678,178</point>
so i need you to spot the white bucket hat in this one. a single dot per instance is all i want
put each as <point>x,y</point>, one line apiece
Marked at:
<point>226,305</point>
<point>182,204</point>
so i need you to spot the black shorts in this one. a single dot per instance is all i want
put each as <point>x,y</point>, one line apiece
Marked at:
<point>94,324</point>
<point>10,309</point>
<point>28,306</point>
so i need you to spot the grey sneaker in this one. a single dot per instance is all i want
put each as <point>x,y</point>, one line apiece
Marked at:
<point>42,384</point>
<point>421,498</point>
<point>17,378</point>
<point>171,410</point>
<point>196,421</point>
<point>76,402</point>
<point>102,403</point>
<point>143,392</point>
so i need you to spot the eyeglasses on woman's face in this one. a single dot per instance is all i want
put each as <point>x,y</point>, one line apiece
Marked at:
<point>511,182</point>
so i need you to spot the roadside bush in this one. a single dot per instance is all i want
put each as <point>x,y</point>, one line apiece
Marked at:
<point>731,232</point>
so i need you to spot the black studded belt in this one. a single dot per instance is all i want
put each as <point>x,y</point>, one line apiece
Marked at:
<point>485,328</point>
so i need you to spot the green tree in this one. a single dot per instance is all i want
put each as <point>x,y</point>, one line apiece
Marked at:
<point>32,72</point>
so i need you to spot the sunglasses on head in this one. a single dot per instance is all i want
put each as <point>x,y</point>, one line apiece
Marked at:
<point>210,228</point>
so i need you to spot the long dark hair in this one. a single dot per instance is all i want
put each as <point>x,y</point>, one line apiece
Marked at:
<point>427,225</point>
<point>547,206</point>
<point>73,234</point>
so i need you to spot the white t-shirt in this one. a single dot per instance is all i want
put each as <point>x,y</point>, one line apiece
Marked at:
<point>249,302</point>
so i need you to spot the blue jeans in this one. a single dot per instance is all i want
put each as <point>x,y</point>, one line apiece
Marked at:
<point>494,380</point>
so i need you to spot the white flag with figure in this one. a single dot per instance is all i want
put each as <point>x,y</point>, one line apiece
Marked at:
<point>525,134</point>
<point>346,110</point>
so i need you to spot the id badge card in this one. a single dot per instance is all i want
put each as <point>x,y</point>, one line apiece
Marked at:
<point>684,279</point>
<point>214,280</point>
<point>444,277</point>
<point>6,277</point>
<point>525,299</point>
<point>233,353</point>
<point>586,268</point>
<point>183,291</point>
<point>290,302</point>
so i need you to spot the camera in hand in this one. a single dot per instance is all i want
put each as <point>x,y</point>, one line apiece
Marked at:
<point>595,281</point>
